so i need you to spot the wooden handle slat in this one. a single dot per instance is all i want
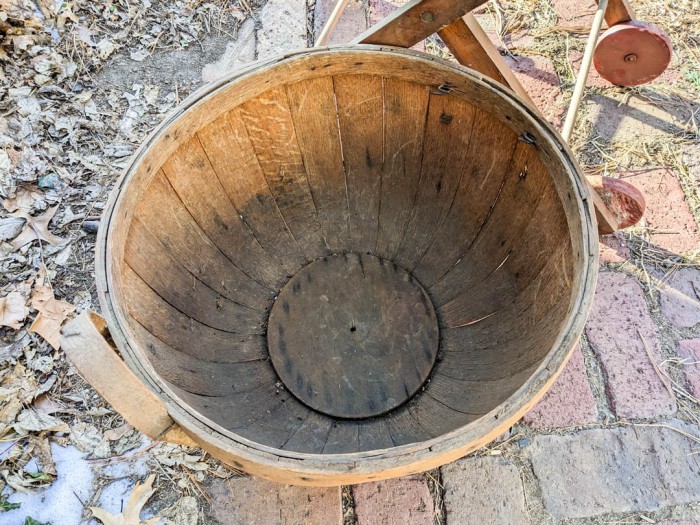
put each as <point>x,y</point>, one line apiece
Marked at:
<point>98,363</point>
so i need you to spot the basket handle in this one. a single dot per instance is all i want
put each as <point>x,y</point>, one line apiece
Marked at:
<point>83,339</point>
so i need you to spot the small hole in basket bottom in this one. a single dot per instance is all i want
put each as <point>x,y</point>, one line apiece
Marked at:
<point>353,328</point>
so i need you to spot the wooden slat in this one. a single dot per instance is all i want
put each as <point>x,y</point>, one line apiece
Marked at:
<point>618,11</point>
<point>472,47</point>
<point>373,434</point>
<point>343,437</point>
<point>488,157</point>
<point>445,157</point>
<point>185,241</point>
<point>190,296</point>
<point>101,366</point>
<point>475,397</point>
<point>270,127</point>
<point>194,180</point>
<point>360,115</point>
<point>405,111</point>
<point>415,21</point>
<point>526,260</point>
<point>275,428</point>
<point>312,434</point>
<point>232,156</point>
<point>525,182</point>
<point>316,123</point>
<point>184,333</point>
<point>435,417</point>
<point>203,377</point>
<point>404,429</point>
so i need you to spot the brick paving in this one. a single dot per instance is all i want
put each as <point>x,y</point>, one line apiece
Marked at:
<point>633,456</point>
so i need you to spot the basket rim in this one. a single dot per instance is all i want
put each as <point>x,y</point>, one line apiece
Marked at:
<point>328,469</point>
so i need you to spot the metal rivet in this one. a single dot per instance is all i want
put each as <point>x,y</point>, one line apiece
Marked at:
<point>631,58</point>
<point>427,17</point>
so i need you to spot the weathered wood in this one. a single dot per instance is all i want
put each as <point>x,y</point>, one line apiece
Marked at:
<point>484,173</point>
<point>448,131</point>
<point>405,107</point>
<point>231,154</point>
<point>337,336</point>
<point>313,111</point>
<point>99,364</point>
<point>415,21</point>
<point>361,116</point>
<point>617,12</point>
<point>184,333</point>
<point>268,120</point>
<point>252,190</point>
<point>193,179</point>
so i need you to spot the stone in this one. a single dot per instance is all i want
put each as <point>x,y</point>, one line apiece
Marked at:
<point>352,23</point>
<point>668,216</point>
<point>613,249</point>
<point>680,298</point>
<point>689,350</point>
<point>255,501</point>
<point>483,490</point>
<point>394,502</point>
<point>616,470</point>
<point>539,78</point>
<point>283,27</point>
<point>618,320</point>
<point>569,402</point>
<point>238,53</point>
<point>617,117</point>
<point>678,523</point>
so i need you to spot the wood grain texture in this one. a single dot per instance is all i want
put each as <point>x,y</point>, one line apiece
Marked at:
<point>415,21</point>
<point>338,336</point>
<point>194,180</point>
<point>448,132</point>
<point>405,111</point>
<point>232,156</point>
<point>360,101</point>
<point>268,120</point>
<point>314,114</point>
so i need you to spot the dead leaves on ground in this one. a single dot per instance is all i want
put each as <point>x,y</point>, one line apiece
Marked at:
<point>13,310</point>
<point>132,513</point>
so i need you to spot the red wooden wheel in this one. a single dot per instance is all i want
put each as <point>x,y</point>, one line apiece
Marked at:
<point>620,197</point>
<point>632,53</point>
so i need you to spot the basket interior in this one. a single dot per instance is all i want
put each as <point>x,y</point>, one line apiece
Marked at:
<point>364,173</point>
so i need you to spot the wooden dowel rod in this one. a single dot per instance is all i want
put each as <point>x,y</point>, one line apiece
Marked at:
<point>331,22</point>
<point>568,128</point>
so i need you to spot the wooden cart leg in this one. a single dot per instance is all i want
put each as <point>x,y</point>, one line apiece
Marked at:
<point>617,12</point>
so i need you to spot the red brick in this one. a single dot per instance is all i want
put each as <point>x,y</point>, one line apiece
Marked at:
<point>617,319</point>
<point>680,298</point>
<point>394,502</point>
<point>352,23</point>
<point>569,402</point>
<point>623,469</point>
<point>483,490</point>
<point>672,225</point>
<point>574,11</point>
<point>689,350</point>
<point>613,249</point>
<point>255,501</point>
<point>539,78</point>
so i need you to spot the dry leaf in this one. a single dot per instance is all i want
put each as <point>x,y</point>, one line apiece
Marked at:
<point>131,515</point>
<point>50,320</point>
<point>32,421</point>
<point>13,310</point>
<point>36,228</point>
<point>42,291</point>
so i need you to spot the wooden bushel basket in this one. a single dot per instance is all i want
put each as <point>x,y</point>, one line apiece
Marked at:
<point>340,265</point>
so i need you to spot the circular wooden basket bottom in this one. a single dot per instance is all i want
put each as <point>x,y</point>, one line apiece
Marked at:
<point>348,264</point>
